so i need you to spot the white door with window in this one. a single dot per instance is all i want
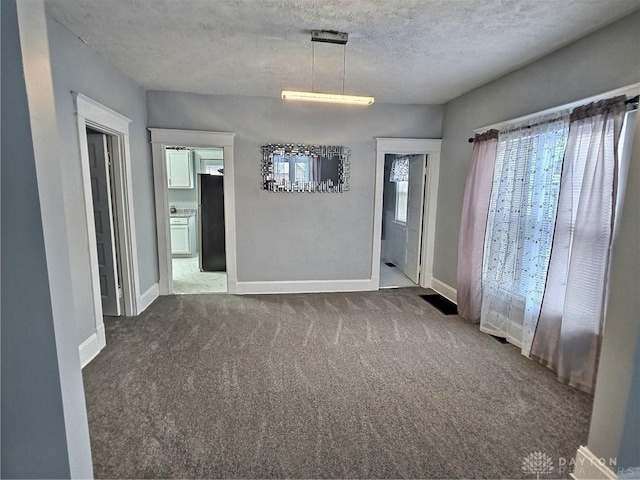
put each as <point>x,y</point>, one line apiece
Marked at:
<point>104,225</point>
<point>415,204</point>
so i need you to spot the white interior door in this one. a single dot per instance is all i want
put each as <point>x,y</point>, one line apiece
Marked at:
<point>415,204</point>
<point>103,215</point>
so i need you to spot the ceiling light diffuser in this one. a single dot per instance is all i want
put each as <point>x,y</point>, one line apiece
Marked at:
<point>328,36</point>
<point>327,98</point>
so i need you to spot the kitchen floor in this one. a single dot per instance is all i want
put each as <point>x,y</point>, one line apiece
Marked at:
<point>187,278</point>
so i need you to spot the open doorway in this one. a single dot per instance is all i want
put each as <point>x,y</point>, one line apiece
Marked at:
<point>161,138</point>
<point>402,217</point>
<point>100,148</point>
<point>195,193</point>
<point>416,264</point>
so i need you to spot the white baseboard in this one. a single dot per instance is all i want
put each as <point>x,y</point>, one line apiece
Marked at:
<point>148,297</point>
<point>445,290</point>
<point>306,286</point>
<point>589,467</point>
<point>90,348</point>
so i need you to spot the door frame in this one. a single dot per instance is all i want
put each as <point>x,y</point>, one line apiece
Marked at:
<point>90,113</point>
<point>408,146</point>
<point>166,137</point>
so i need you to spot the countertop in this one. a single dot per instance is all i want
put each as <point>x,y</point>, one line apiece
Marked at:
<point>184,212</point>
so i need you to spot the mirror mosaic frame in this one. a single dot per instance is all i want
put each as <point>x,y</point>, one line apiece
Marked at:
<point>320,152</point>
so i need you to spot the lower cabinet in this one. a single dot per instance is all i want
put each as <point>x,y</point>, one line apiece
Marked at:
<point>180,236</point>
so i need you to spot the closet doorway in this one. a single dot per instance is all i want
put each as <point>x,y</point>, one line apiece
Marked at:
<point>100,147</point>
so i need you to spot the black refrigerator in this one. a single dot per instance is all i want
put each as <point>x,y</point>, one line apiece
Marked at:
<point>211,223</point>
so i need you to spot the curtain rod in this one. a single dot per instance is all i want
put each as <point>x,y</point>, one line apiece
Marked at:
<point>633,102</point>
<point>630,102</point>
<point>632,89</point>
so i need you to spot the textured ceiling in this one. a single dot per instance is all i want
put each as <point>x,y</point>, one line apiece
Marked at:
<point>400,51</point>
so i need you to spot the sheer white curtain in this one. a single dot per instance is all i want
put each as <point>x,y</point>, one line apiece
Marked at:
<point>399,169</point>
<point>569,330</point>
<point>475,207</point>
<point>520,226</point>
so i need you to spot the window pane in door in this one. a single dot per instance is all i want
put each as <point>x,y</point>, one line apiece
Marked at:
<point>402,191</point>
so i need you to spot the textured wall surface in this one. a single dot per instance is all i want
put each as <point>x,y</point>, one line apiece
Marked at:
<point>298,236</point>
<point>602,61</point>
<point>78,68</point>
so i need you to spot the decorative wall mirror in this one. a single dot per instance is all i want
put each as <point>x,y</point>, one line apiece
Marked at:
<point>305,168</point>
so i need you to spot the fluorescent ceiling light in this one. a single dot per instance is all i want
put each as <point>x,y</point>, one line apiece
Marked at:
<point>327,98</point>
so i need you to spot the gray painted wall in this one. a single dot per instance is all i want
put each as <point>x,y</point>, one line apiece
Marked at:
<point>602,61</point>
<point>34,442</point>
<point>629,451</point>
<point>615,429</point>
<point>292,237</point>
<point>183,197</point>
<point>78,68</point>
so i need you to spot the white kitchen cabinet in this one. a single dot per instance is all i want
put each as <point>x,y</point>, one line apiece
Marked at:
<point>179,168</point>
<point>180,236</point>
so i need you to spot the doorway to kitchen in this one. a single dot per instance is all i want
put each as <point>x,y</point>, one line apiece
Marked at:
<point>195,192</point>
<point>197,165</point>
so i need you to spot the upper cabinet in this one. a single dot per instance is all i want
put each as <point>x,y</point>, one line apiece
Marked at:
<point>179,168</point>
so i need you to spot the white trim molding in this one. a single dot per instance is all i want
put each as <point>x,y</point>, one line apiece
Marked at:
<point>92,114</point>
<point>445,290</point>
<point>589,467</point>
<point>408,146</point>
<point>162,138</point>
<point>306,286</point>
<point>92,346</point>
<point>148,297</point>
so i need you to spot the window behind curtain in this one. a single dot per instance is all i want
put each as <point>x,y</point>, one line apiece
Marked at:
<point>402,193</point>
<point>520,228</point>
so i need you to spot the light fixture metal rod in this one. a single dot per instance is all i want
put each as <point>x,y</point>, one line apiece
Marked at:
<point>313,62</point>
<point>344,64</point>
